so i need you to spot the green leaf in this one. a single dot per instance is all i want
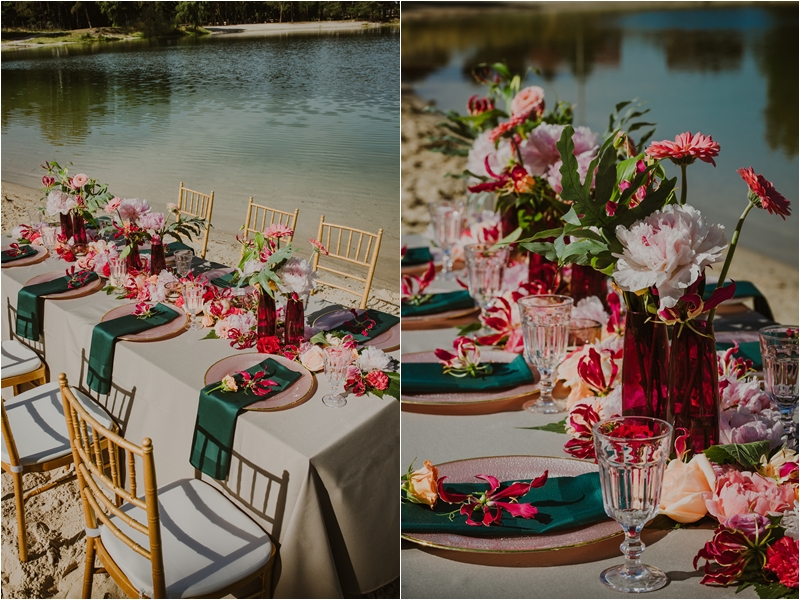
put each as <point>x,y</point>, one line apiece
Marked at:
<point>746,455</point>
<point>571,217</point>
<point>212,335</point>
<point>319,338</point>
<point>469,328</point>
<point>770,590</point>
<point>509,239</point>
<point>546,249</point>
<point>559,427</point>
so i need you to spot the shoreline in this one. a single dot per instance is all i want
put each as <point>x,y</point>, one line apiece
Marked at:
<point>423,181</point>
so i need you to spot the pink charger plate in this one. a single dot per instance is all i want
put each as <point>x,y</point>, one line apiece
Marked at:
<point>86,290</point>
<point>518,468</point>
<point>302,389</point>
<point>41,254</point>
<point>388,340</point>
<point>163,332</point>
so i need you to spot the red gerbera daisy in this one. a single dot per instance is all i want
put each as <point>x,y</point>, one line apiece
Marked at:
<point>686,149</point>
<point>763,194</point>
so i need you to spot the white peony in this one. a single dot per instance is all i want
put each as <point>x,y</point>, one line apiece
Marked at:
<point>373,359</point>
<point>296,277</point>
<point>498,157</point>
<point>133,209</point>
<point>152,220</point>
<point>59,203</point>
<point>250,267</point>
<point>747,394</point>
<point>668,250</point>
<point>244,322</point>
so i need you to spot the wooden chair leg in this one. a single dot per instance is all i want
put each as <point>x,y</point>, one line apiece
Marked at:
<point>88,571</point>
<point>20,502</point>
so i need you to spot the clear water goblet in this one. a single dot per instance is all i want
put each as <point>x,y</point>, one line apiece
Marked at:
<point>36,217</point>
<point>336,360</point>
<point>193,304</point>
<point>447,222</point>
<point>485,268</point>
<point>183,262</point>
<point>631,455</point>
<point>50,240</point>
<point>117,269</point>
<point>779,350</point>
<point>545,329</point>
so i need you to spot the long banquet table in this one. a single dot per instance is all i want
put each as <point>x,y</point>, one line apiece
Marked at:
<point>320,481</point>
<point>572,573</point>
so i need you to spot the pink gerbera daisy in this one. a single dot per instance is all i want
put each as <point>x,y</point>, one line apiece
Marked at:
<point>763,194</point>
<point>686,149</point>
<point>277,230</point>
<point>318,247</point>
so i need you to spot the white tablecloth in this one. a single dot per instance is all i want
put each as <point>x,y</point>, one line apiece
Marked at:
<point>321,481</point>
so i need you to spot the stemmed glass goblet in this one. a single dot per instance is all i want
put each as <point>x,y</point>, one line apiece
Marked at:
<point>485,268</point>
<point>50,239</point>
<point>545,329</point>
<point>631,454</point>
<point>447,221</point>
<point>193,304</point>
<point>779,350</point>
<point>336,360</point>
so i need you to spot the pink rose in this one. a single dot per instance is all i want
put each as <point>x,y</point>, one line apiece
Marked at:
<point>313,359</point>
<point>739,492</point>
<point>79,181</point>
<point>686,487</point>
<point>529,102</point>
<point>378,379</point>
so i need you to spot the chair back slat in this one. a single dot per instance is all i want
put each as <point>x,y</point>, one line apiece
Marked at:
<point>259,217</point>
<point>350,246</point>
<point>100,492</point>
<point>197,204</point>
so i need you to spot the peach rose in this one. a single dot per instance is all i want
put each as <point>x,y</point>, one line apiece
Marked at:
<point>208,320</point>
<point>313,359</point>
<point>422,484</point>
<point>230,383</point>
<point>529,101</point>
<point>686,487</point>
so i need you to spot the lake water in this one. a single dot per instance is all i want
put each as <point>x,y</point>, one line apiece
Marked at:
<point>731,73</point>
<point>306,120</point>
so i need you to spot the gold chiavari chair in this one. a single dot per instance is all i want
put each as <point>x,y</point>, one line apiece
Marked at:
<point>197,204</point>
<point>352,247</point>
<point>21,364</point>
<point>35,441</point>
<point>181,540</point>
<point>259,217</point>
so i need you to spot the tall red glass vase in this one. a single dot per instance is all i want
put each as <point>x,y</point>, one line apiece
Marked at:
<point>693,384</point>
<point>133,260</point>
<point>79,237</point>
<point>158,261</point>
<point>66,225</point>
<point>294,320</point>
<point>267,315</point>
<point>586,282</point>
<point>645,363</point>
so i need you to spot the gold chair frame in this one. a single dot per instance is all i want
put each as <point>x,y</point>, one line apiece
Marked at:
<point>348,244</point>
<point>197,204</point>
<point>38,376</point>
<point>93,480</point>
<point>252,223</point>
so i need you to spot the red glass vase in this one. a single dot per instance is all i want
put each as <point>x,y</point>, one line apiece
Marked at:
<point>79,237</point>
<point>133,260</point>
<point>66,225</point>
<point>586,282</point>
<point>693,384</point>
<point>294,324</point>
<point>267,315</point>
<point>645,367</point>
<point>543,271</point>
<point>158,262</point>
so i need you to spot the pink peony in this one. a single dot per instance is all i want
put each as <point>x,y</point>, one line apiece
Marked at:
<point>378,379</point>
<point>741,492</point>
<point>59,203</point>
<point>133,209</point>
<point>540,153</point>
<point>739,425</point>
<point>685,149</point>
<point>764,193</point>
<point>528,103</point>
<point>79,181</point>
<point>153,221</point>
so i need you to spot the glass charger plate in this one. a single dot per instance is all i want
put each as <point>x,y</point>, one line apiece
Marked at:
<point>493,401</point>
<point>163,332</point>
<point>518,468</point>
<point>303,389</point>
<point>387,341</point>
<point>89,288</point>
<point>41,254</point>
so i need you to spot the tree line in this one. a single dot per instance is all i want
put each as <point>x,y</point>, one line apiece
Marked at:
<point>160,17</point>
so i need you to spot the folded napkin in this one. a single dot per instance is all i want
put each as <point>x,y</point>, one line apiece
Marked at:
<point>224,281</point>
<point>751,350</point>
<point>30,305</point>
<point>104,338</point>
<point>438,303</point>
<point>416,256</point>
<point>25,250</point>
<point>563,502</point>
<point>383,323</point>
<point>429,378</point>
<point>216,419</point>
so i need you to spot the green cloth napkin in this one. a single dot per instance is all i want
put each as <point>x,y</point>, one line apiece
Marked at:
<point>563,502</point>
<point>104,338</point>
<point>30,305</point>
<point>416,256</point>
<point>383,322</point>
<point>212,444</point>
<point>746,289</point>
<point>438,303</point>
<point>429,378</point>
<point>224,281</point>
<point>751,350</point>
<point>26,251</point>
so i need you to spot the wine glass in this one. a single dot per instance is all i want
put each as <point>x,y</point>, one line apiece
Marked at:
<point>183,262</point>
<point>193,304</point>
<point>631,454</point>
<point>779,353</point>
<point>485,268</point>
<point>336,360</point>
<point>446,219</point>
<point>50,239</point>
<point>545,329</point>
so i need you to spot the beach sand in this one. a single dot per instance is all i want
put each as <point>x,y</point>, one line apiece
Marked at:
<point>423,181</point>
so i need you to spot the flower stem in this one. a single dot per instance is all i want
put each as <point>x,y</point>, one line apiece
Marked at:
<point>683,185</point>
<point>731,250</point>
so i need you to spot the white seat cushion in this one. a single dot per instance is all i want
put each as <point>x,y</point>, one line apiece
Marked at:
<point>38,424</point>
<point>207,542</point>
<point>18,359</point>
